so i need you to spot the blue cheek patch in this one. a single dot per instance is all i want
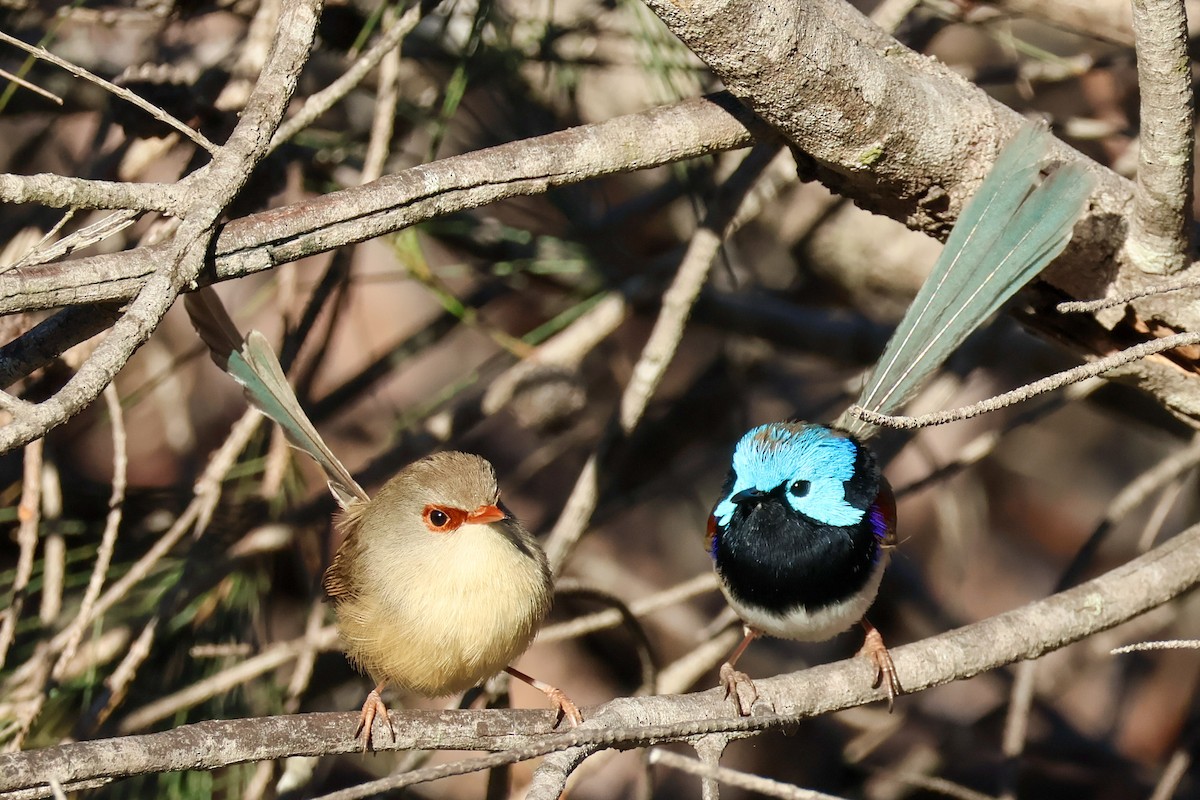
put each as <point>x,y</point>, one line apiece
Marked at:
<point>774,455</point>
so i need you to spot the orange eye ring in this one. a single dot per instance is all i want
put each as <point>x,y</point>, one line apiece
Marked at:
<point>443,519</point>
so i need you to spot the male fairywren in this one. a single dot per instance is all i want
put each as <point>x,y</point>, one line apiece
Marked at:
<point>802,532</point>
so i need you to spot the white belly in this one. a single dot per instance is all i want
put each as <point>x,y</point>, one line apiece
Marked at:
<point>812,625</point>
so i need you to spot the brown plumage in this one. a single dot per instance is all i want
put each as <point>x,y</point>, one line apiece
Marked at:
<point>436,587</point>
<point>436,611</point>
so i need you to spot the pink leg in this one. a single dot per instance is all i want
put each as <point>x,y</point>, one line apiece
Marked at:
<point>885,674</point>
<point>566,708</point>
<point>734,681</point>
<point>371,707</point>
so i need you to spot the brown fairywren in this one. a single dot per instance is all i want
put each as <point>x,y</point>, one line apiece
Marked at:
<point>435,585</point>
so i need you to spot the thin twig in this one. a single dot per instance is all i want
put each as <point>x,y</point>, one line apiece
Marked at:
<point>732,777</point>
<point>1175,283</point>
<point>1030,390</point>
<point>29,512</point>
<point>33,87</point>
<point>659,349</point>
<point>383,123</point>
<point>1016,724</point>
<point>1132,495</point>
<point>323,640</point>
<point>119,681</point>
<point>610,618</point>
<point>86,236</point>
<point>121,92</point>
<point>54,548</point>
<point>938,785</point>
<point>108,539</point>
<point>1170,644</point>
<point>1177,767</point>
<point>683,673</point>
<point>317,104</point>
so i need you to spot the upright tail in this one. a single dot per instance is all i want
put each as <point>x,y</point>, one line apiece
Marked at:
<point>252,363</point>
<point>1010,231</point>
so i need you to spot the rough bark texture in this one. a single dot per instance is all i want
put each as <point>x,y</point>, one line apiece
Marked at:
<point>901,134</point>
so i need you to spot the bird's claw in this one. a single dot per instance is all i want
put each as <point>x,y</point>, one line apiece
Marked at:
<point>885,669</point>
<point>566,707</point>
<point>372,707</point>
<point>734,681</point>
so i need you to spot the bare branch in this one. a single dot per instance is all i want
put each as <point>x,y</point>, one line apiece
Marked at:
<point>1024,633</point>
<point>1159,227</point>
<point>262,241</point>
<point>322,101</point>
<point>121,92</point>
<point>904,135</point>
<point>61,191</point>
<point>1031,390</point>
<point>223,180</point>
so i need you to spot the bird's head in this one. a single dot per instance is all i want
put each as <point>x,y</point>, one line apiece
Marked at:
<point>436,498</point>
<point>816,474</point>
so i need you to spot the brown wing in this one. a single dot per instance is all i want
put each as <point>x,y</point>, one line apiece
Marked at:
<point>339,580</point>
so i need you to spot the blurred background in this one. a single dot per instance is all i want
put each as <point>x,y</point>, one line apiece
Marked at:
<point>406,344</point>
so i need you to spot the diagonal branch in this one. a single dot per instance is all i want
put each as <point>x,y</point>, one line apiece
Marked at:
<point>905,136</point>
<point>261,241</point>
<point>224,178</point>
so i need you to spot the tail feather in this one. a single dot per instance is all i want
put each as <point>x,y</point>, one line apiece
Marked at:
<point>1009,232</point>
<point>253,364</point>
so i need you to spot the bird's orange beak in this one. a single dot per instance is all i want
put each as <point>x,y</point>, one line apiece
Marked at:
<point>486,514</point>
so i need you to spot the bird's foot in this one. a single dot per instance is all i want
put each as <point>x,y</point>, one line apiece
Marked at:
<point>735,682</point>
<point>566,707</point>
<point>885,670</point>
<point>372,707</point>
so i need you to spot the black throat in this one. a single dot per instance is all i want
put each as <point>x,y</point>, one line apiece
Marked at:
<point>775,558</point>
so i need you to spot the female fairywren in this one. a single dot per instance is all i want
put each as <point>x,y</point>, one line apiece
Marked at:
<point>435,585</point>
<point>802,532</point>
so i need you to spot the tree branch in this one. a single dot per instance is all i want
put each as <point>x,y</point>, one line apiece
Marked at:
<point>1027,632</point>
<point>225,176</point>
<point>1160,225</point>
<point>903,135</point>
<point>261,241</point>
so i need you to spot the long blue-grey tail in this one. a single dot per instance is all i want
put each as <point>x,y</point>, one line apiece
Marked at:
<point>252,363</point>
<point>1010,231</point>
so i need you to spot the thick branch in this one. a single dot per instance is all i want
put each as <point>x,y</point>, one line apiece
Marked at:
<point>531,166</point>
<point>1159,227</point>
<point>903,135</point>
<point>61,191</point>
<point>1028,632</point>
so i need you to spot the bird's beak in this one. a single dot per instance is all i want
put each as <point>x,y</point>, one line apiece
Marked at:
<point>485,514</point>
<point>748,494</point>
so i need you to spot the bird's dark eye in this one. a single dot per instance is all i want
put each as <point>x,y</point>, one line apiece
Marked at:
<point>442,519</point>
<point>799,488</point>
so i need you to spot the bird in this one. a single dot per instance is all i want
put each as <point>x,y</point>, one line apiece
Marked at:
<point>806,521</point>
<point>435,585</point>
